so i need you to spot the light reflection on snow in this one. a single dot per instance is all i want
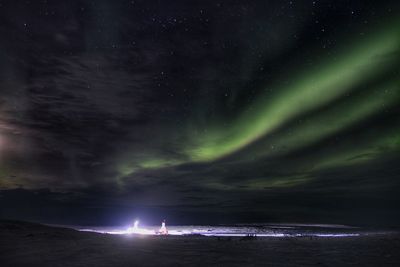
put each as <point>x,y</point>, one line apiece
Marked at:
<point>237,231</point>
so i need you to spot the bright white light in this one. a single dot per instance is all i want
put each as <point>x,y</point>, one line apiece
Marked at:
<point>136,230</point>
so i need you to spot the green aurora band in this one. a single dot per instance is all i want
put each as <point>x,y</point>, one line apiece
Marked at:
<point>336,92</point>
<point>309,90</point>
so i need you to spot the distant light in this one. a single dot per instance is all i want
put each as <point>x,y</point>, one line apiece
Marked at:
<point>134,230</point>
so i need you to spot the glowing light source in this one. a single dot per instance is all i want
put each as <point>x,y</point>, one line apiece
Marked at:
<point>136,230</point>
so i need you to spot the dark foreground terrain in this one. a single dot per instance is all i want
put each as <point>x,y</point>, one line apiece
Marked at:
<point>27,244</point>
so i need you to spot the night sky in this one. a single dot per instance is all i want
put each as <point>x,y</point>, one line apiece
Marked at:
<point>200,111</point>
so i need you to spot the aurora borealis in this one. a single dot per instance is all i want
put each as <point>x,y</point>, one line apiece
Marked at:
<point>227,111</point>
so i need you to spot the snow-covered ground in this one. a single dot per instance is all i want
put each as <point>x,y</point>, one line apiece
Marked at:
<point>265,230</point>
<point>27,244</point>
